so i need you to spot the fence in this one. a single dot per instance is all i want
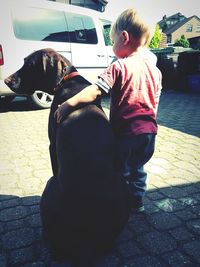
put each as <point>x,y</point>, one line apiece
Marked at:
<point>180,68</point>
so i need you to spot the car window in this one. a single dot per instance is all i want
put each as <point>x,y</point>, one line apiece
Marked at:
<point>40,24</point>
<point>81,29</point>
<point>106,26</point>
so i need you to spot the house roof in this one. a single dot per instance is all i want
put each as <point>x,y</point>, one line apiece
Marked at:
<point>179,24</point>
<point>170,17</point>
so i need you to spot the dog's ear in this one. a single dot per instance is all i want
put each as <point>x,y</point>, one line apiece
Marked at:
<point>47,62</point>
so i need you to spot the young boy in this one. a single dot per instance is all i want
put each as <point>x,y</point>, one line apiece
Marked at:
<point>134,83</point>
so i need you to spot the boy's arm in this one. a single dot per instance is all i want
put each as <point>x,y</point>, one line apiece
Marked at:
<point>87,95</point>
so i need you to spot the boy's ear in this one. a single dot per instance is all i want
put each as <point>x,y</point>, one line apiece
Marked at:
<point>125,37</point>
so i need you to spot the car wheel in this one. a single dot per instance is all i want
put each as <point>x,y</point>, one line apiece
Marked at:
<point>41,99</point>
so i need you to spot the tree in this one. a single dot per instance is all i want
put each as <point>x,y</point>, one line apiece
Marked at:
<point>107,35</point>
<point>156,39</point>
<point>183,42</point>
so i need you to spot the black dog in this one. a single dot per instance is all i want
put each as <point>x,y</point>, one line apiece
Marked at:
<point>85,205</point>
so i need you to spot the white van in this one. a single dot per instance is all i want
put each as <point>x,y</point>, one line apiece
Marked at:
<point>79,34</point>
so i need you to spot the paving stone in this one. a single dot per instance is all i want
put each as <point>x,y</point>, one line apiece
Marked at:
<point>129,249</point>
<point>21,255</point>
<point>59,264</point>
<point>125,235</point>
<point>169,205</point>
<point>11,203</point>
<point>197,197</point>
<point>178,179</point>
<point>151,208</point>
<point>177,259</point>
<point>196,209</point>
<point>164,221</point>
<point>34,220</point>
<point>181,234</point>
<point>2,260</point>
<point>109,261</point>
<point>13,213</point>
<point>6,197</point>
<point>155,195</point>
<point>157,243</point>
<point>1,228</point>
<point>192,189</point>
<point>139,224</point>
<point>34,264</point>
<point>17,239</point>
<point>192,249</point>
<point>188,201</point>
<point>34,209</point>
<point>43,252</point>
<point>194,225</point>
<point>186,165</point>
<point>38,234</point>
<point>186,215</point>
<point>174,192</point>
<point>149,261</point>
<point>31,200</point>
<point>16,224</point>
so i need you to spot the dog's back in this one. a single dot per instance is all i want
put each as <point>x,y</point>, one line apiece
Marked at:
<point>95,201</point>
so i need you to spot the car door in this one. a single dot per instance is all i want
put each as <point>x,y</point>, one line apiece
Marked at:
<point>87,45</point>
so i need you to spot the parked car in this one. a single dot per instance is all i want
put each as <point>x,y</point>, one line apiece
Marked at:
<point>79,34</point>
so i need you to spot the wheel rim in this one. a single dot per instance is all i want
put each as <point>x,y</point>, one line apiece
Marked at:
<point>44,98</point>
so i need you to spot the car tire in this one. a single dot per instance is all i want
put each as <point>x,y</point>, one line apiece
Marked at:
<point>41,100</point>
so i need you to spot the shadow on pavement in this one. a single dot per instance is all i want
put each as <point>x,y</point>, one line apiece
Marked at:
<point>180,111</point>
<point>177,110</point>
<point>166,235</point>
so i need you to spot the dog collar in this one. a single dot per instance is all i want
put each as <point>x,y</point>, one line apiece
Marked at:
<point>65,78</point>
<point>70,75</point>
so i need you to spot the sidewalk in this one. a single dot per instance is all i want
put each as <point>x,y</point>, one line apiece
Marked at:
<point>167,235</point>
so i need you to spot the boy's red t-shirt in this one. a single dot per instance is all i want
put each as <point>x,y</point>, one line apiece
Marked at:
<point>135,86</point>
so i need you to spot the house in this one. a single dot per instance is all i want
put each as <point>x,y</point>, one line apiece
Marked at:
<point>175,26</point>
<point>168,22</point>
<point>98,5</point>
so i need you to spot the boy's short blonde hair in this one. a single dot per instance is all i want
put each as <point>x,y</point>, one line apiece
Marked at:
<point>130,21</point>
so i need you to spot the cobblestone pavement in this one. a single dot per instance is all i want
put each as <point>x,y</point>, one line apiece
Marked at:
<point>168,234</point>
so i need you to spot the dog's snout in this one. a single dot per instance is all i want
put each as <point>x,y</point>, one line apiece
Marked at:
<point>13,82</point>
<point>7,80</point>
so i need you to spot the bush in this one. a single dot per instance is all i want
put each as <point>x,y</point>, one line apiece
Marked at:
<point>183,42</point>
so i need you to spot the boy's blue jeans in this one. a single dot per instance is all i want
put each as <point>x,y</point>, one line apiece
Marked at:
<point>133,152</point>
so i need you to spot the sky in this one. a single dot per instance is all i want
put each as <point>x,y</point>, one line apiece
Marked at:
<point>152,11</point>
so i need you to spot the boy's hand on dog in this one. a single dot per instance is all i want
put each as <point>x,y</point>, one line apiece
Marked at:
<point>62,112</point>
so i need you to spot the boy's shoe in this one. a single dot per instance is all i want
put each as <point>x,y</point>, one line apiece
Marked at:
<point>137,204</point>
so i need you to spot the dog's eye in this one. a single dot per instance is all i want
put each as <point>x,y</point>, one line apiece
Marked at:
<point>28,63</point>
<point>65,69</point>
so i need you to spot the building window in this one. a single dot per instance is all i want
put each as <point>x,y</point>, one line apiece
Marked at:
<point>198,28</point>
<point>189,28</point>
<point>169,38</point>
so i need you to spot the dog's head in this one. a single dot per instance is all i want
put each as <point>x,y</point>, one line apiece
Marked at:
<point>42,70</point>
